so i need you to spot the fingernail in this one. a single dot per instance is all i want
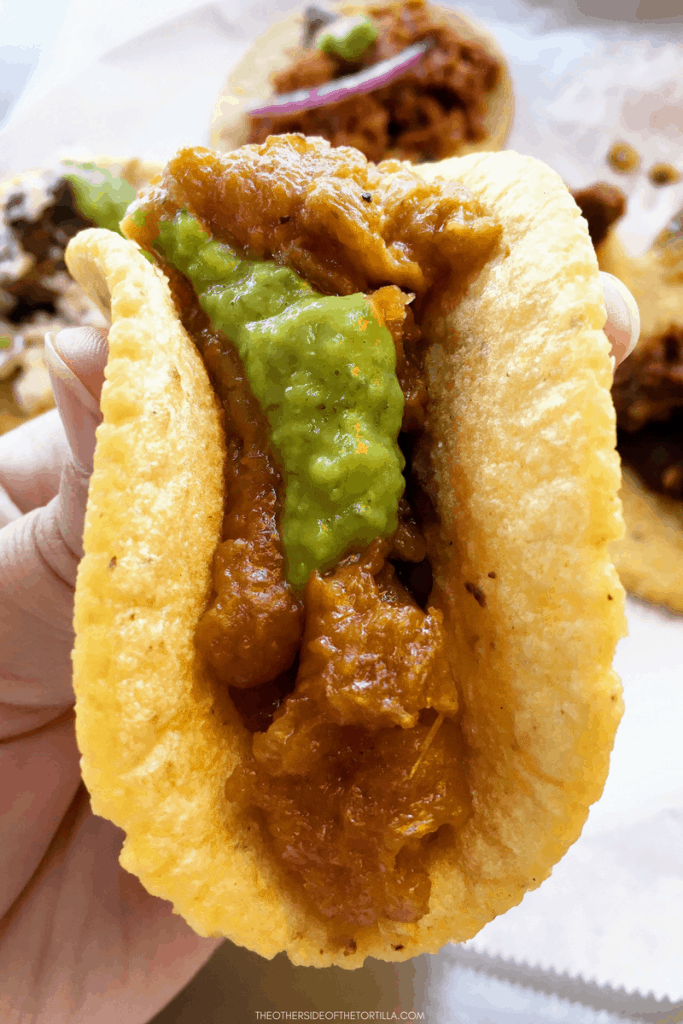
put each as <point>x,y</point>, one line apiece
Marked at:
<point>78,407</point>
<point>623,319</point>
<point>85,351</point>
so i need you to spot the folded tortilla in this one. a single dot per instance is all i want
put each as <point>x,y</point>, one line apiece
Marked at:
<point>249,83</point>
<point>519,377</point>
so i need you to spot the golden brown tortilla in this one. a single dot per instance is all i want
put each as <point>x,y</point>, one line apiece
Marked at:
<point>649,557</point>
<point>519,372</point>
<point>250,81</point>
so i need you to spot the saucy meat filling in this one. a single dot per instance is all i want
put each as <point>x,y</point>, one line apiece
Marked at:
<point>356,762</point>
<point>425,115</point>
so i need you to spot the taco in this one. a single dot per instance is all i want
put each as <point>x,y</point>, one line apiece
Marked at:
<point>337,713</point>
<point>648,397</point>
<point>357,76</point>
<point>40,210</point>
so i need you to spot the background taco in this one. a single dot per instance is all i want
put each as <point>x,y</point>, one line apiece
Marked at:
<point>648,396</point>
<point>516,456</point>
<point>454,99</point>
<point>40,210</point>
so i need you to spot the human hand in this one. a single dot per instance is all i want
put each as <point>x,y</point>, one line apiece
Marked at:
<point>80,939</point>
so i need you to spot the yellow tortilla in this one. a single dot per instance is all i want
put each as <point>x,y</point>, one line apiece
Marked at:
<point>649,558</point>
<point>519,373</point>
<point>250,81</point>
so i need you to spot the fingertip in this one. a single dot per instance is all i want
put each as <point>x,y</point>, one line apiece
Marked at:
<point>623,318</point>
<point>85,351</point>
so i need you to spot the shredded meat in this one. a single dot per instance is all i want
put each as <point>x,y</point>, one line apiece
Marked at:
<point>370,657</point>
<point>427,114</point>
<point>656,454</point>
<point>39,217</point>
<point>356,756</point>
<point>351,833</point>
<point>392,309</point>
<point>649,384</point>
<point>648,397</point>
<point>252,629</point>
<point>302,204</point>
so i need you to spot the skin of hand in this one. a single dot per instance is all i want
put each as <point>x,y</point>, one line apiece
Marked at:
<point>80,940</point>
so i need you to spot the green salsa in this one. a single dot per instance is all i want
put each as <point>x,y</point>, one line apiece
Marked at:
<point>100,196</point>
<point>348,38</point>
<point>324,372</point>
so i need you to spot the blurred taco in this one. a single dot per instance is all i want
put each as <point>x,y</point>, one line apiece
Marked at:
<point>40,210</point>
<point>648,397</point>
<point>346,615</point>
<point>409,80</point>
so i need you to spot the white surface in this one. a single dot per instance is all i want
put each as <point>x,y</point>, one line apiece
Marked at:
<point>461,995</point>
<point>612,909</point>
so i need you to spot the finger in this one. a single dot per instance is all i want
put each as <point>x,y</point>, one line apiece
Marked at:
<point>623,319</point>
<point>75,360</point>
<point>84,941</point>
<point>33,455</point>
<point>39,553</point>
<point>31,461</point>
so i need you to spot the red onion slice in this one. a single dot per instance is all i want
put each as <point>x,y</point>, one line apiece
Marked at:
<point>341,88</point>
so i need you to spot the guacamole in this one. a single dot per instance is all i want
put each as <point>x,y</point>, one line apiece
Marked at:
<point>100,196</point>
<point>323,370</point>
<point>348,38</point>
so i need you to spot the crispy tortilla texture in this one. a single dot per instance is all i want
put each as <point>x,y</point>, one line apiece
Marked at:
<point>649,558</point>
<point>528,480</point>
<point>519,376</point>
<point>250,81</point>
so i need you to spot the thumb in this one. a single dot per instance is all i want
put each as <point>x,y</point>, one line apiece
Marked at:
<point>40,552</point>
<point>76,360</point>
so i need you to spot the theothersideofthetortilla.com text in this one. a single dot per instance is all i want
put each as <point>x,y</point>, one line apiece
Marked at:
<point>339,1015</point>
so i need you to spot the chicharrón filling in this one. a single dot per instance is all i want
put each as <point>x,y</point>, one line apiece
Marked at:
<point>339,670</point>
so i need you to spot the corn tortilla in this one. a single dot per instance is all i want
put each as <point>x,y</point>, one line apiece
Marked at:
<point>649,558</point>
<point>519,372</point>
<point>250,81</point>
